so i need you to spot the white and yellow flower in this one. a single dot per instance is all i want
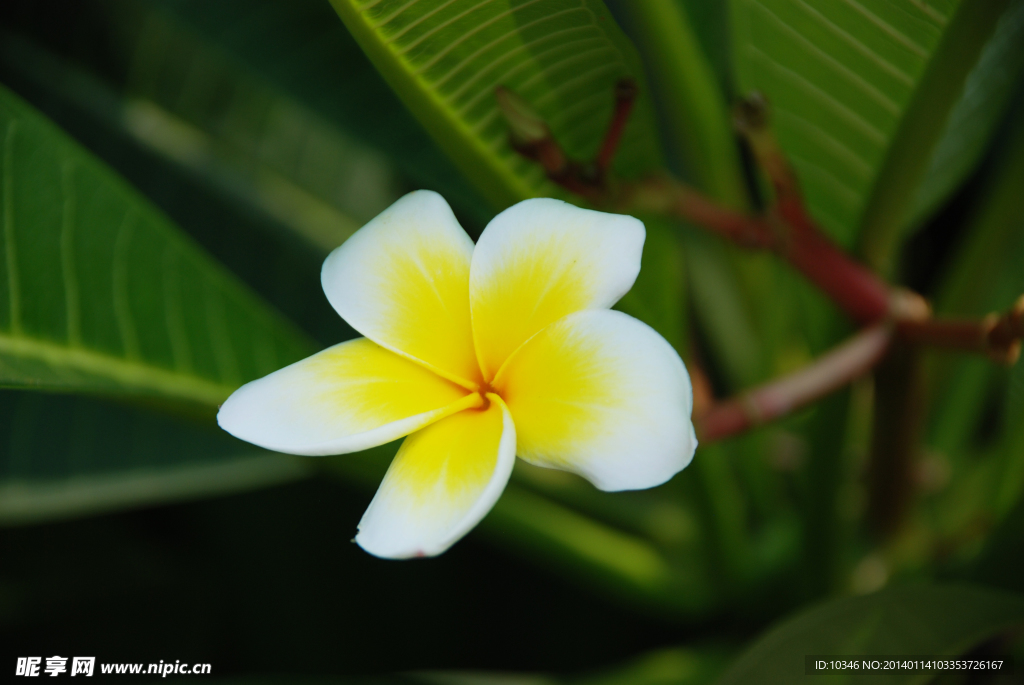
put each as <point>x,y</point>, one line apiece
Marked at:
<point>479,353</point>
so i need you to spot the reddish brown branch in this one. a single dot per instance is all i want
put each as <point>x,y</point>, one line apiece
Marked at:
<point>851,285</point>
<point>793,235</point>
<point>668,197</point>
<point>789,230</point>
<point>530,136</point>
<point>750,118</point>
<point>782,396</point>
<point>997,336</point>
<point>703,395</point>
<point>854,288</point>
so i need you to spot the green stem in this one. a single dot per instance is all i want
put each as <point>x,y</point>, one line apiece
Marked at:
<point>698,129</point>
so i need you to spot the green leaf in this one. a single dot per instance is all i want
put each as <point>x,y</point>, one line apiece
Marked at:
<point>692,105</point>
<point>942,620</point>
<point>196,103</point>
<point>986,95</point>
<point>99,292</point>
<point>860,92</point>
<point>710,21</point>
<point>444,60</point>
<point>941,85</point>
<point>255,63</point>
<point>984,277</point>
<point>108,457</point>
<point>984,458</point>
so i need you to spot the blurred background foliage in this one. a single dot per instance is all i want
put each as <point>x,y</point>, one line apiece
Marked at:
<point>173,173</point>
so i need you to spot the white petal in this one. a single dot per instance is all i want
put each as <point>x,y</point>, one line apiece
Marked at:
<point>540,260</point>
<point>346,398</point>
<point>402,280</point>
<point>601,394</point>
<point>444,479</point>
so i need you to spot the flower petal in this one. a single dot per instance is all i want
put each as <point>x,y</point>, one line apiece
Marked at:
<point>601,394</point>
<point>402,280</point>
<point>349,397</point>
<point>444,479</point>
<point>540,260</point>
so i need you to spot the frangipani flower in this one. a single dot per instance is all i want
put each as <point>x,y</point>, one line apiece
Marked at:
<point>477,354</point>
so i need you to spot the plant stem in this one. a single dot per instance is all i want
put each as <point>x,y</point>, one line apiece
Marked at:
<point>898,423</point>
<point>784,395</point>
<point>852,286</point>
<point>792,235</point>
<point>788,230</point>
<point>999,337</point>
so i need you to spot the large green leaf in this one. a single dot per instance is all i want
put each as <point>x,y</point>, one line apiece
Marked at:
<point>296,52</point>
<point>860,92</point>
<point>106,456</point>
<point>445,58</point>
<point>941,620</point>
<point>212,198</point>
<point>975,428</point>
<point>984,276</point>
<point>231,144</point>
<point>987,93</point>
<point>197,103</point>
<point>99,292</point>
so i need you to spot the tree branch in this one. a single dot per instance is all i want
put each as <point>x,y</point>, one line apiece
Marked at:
<point>780,397</point>
<point>786,229</point>
<point>997,336</point>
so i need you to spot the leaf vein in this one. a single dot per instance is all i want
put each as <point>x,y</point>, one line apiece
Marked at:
<point>114,369</point>
<point>851,117</point>
<point>932,13</point>
<point>484,92</point>
<point>13,280</point>
<point>173,315</point>
<point>413,24</point>
<point>573,82</point>
<point>839,190</point>
<point>445,24</point>
<point>826,141</point>
<point>387,20</point>
<point>122,303</point>
<point>888,28</point>
<point>451,46</point>
<point>856,44</point>
<point>853,77</point>
<point>224,351</point>
<point>72,304</point>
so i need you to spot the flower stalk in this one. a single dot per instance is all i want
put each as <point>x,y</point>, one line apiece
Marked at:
<point>782,396</point>
<point>997,336</point>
